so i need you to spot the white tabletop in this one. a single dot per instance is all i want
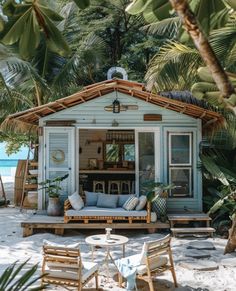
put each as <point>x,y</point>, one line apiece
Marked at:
<point>100,240</point>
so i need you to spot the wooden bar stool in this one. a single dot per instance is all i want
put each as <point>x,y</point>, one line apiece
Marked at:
<point>113,187</point>
<point>99,186</point>
<point>125,187</point>
<point>133,187</point>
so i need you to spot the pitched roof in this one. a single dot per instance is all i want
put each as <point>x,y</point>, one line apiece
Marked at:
<point>134,89</point>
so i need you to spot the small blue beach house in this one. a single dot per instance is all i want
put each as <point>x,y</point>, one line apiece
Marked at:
<point>116,130</point>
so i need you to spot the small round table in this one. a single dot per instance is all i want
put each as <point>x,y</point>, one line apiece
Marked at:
<point>101,241</point>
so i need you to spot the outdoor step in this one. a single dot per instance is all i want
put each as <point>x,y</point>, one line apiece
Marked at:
<point>192,230</point>
<point>32,175</point>
<point>189,217</point>
<point>31,186</point>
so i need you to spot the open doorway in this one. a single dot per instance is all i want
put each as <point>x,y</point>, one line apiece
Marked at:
<point>107,161</point>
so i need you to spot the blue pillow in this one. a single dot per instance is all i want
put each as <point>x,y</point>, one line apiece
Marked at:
<point>107,200</point>
<point>91,198</point>
<point>123,198</point>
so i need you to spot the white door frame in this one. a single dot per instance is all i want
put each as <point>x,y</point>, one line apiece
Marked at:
<point>71,155</point>
<point>156,130</point>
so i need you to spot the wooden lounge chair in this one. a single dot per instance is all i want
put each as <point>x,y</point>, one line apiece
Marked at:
<point>63,266</point>
<point>151,261</point>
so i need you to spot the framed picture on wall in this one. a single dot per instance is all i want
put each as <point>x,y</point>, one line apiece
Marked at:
<point>92,163</point>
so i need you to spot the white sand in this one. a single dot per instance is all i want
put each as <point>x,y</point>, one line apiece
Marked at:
<point>14,247</point>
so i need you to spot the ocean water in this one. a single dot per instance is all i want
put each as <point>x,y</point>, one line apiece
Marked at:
<point>8,167</point>
<point>8,163</point>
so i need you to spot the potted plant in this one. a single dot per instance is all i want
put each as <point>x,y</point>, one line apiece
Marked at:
<point>53,188</point>
<point>156,193</point>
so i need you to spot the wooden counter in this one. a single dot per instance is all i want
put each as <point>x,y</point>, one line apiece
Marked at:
<point>113,171</point>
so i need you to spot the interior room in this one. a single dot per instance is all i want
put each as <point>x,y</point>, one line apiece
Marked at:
<point>107,161</point>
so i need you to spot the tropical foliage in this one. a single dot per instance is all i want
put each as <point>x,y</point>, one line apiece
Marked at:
<point>53,186</point>
<point>220,186</point>
<point>179,52</point>
<point>14,278</point>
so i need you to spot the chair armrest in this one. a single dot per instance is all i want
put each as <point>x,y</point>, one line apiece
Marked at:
<point>148,211</point>
<point>67,205</point>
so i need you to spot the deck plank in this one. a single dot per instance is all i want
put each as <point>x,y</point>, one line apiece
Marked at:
<point>57,223</point>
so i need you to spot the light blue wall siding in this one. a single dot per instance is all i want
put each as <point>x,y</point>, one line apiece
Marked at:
<point>85,113</point>
<point>92,114</point>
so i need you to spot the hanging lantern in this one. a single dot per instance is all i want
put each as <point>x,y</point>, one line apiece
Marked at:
<point>116,106</point>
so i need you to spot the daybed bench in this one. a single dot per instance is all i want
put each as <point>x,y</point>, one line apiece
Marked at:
<point>93,213</point>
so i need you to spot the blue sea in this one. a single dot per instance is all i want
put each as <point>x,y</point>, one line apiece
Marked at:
<point>8,164</point>
<point>8,167</point>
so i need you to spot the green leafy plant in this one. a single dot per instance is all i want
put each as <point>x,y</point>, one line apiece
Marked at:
<point>154,189</point>
<point>53,186</point>
<point>220,185</point>
<point>12,280</point>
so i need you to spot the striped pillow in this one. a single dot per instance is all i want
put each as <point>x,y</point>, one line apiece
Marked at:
<point>131,203</point>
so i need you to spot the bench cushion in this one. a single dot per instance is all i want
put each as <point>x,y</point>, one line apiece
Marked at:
<point>97,211</point>
<point>107,200</point>
<point>91,198</point>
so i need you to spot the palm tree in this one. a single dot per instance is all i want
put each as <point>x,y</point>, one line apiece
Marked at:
<point>46,75</point>
<point>158,10</point>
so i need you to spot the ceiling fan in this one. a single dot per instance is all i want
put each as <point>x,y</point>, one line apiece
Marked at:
<point>122,107</point>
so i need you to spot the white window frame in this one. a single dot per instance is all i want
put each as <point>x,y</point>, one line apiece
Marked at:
<point>170,134</point>
<point>184,195</point>
<point>191,133</point>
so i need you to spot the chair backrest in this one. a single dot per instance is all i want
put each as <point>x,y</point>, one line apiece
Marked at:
<point>63,257</point>
<point>156,248</point>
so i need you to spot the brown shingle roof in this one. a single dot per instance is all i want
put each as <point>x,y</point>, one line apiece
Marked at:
<point>134,89</point>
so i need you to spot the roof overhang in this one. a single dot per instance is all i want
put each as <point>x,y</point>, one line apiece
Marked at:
<point>134,89</point>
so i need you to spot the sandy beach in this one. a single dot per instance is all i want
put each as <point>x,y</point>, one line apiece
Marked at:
<point>221,277</point>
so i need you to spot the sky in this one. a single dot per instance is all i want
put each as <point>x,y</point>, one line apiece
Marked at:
<point>22,154</point>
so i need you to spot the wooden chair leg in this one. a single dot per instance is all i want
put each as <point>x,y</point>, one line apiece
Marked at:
<point>80,287</point>
<point>120,280</point>
<point>174,276</point>
<point>172,268</point>
<point>96,281</point>
<point>150,283</point>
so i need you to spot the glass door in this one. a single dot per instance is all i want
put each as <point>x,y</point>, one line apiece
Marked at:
<point>147,157</point>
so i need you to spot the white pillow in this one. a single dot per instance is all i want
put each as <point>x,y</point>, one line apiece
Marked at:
<point>131,203</point>
<point>141,202</point>
<point>76,201</point>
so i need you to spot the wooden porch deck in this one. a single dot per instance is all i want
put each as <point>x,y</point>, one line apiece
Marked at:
<point>57,224</point>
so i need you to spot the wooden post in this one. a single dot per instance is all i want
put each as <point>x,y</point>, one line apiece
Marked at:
<point>3,191</point>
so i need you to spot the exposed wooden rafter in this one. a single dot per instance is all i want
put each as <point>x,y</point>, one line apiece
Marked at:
<point>123,86</point>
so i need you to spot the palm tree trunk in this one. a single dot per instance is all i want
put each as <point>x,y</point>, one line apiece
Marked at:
<point>191,25</point>
<point>231,244</point>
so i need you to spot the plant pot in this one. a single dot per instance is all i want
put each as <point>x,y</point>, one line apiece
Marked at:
<point>54,207</point>
<point>159,205</point>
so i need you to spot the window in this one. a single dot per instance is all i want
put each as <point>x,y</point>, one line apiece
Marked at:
<point>180,164</point>
<point>118,152</point>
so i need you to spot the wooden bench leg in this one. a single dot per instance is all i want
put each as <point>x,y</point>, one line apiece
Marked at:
<point>27,231</point>
<point>59,231</point>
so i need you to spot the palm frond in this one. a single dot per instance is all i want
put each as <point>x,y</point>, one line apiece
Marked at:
<point>168,27</point>
<point>174,67</point>
<point>223,43</point>
<point>90,53</point>
<point>15,279</point>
